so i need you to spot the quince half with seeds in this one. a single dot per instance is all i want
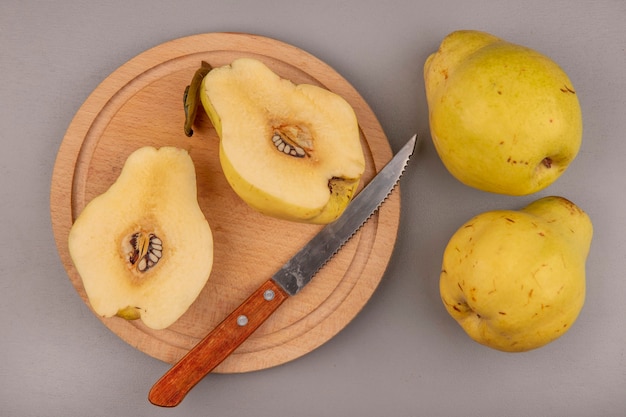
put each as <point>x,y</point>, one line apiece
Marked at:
<point>291,151</point>
<point>143,248</point>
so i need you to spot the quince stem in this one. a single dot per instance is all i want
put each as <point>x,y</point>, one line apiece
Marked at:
<point>191,97</point>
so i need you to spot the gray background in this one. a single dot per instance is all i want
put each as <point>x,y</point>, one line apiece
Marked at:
<point>402,355</point>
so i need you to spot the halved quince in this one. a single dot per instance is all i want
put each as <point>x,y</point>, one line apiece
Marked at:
<point>289,151</point>
<point>144,248</point>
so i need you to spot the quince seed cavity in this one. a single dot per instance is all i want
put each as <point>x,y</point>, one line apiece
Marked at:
<point>287,148</point>
<point>146,250</point>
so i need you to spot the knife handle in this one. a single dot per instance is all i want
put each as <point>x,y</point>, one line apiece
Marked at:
<point>170,390</point>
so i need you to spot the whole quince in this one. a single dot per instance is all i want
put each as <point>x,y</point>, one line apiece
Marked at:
<point>503,117</point>
<point>515,280</point>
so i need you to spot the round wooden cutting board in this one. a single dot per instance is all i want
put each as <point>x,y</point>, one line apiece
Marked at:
<point>141,104</point>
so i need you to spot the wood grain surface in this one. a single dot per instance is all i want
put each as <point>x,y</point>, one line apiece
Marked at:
<point>141,104</point>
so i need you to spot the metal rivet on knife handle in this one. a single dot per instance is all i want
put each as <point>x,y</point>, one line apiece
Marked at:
<point>242,320</point>
<point>269,295</point>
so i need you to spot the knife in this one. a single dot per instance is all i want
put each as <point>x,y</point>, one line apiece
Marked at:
<point>170,390</point>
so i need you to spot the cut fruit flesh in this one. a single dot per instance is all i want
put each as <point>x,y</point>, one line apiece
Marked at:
<point>144,248</point>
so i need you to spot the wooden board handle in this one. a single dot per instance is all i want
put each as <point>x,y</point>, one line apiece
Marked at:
<point>170,390</point>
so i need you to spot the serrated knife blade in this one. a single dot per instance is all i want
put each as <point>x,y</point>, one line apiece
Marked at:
<point>174,385</point>
<point>301,268</point>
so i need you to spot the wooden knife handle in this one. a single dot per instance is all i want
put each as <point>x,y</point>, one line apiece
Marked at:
<point>170,390</point>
